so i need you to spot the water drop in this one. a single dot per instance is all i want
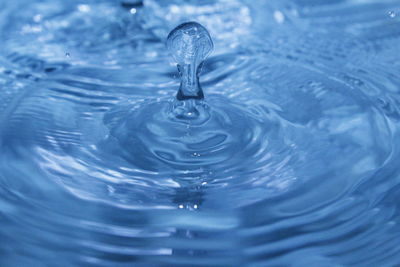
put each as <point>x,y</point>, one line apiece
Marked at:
<point>392,14</point>
<point>190,44</point>
<point>37,18</point>
<point>111,190</point>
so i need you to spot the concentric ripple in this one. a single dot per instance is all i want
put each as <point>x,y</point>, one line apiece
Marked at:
<point>293,161</point>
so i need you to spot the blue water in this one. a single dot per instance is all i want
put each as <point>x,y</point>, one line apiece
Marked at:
<point>294,160</point>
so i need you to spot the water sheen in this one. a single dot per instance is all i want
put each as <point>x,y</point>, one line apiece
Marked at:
<point>291,160</point>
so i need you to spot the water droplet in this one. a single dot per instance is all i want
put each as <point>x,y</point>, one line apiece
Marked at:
<point>133,11</point>
<point>181,206</point>
<point>195,206</point>
<point>190,44</point>
<point>392,14</point>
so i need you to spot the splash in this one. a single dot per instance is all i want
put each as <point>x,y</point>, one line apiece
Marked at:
<point>187,136</point>
<point>190,44</point>
<point>296,160</point>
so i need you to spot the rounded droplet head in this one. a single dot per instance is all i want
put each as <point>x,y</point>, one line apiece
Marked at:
<point>189,43</point>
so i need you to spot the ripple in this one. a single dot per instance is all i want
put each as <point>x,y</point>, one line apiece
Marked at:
<point>93,33</point>
<point>294,161</point>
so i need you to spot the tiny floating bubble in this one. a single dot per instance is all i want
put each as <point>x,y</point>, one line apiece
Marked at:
<point>392,14</point>
<point>181,206</point>
<point>110,189</point>
<point>84,8</point>
<point>37,18</point>
<point>133,10</point>
<point>67,54</point>
<point>279,17</point>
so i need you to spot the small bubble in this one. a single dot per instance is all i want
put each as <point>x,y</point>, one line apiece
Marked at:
<point>392,14</point>
<point>67,54</point>
<point>175,9</point>
<point>84,8</point>
<point>37,18</point>
<point>195,206</point>
<point>279,17</point>
<point>180,206</point>
<point>133,11</point>
<point>110,189</point>
<point>151,54</point>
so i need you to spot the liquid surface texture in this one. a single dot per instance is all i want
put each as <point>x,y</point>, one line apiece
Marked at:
<point>283,152</point>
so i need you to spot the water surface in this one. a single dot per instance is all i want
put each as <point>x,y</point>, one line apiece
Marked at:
<point>297,167</point>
